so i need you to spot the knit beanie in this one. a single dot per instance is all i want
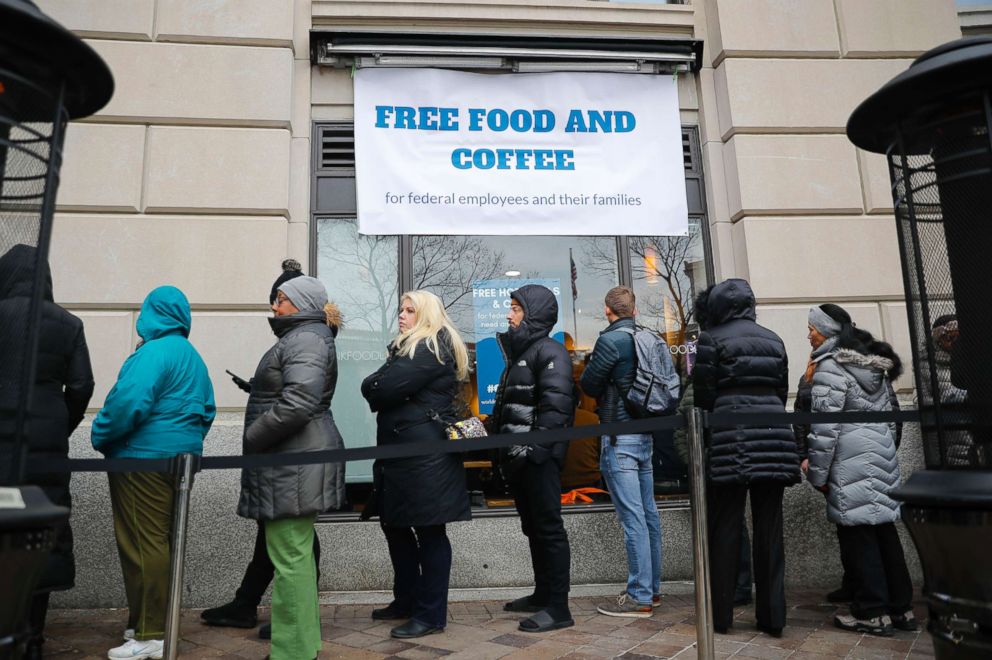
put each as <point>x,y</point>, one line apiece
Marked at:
<point>823,322</point>
<point>290,268</point>
<point>308,294</point>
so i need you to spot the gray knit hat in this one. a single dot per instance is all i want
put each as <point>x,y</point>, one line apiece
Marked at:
<point>823,322</point>
<point>308,294</point>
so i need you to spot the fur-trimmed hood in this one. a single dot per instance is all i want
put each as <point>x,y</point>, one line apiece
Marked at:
<point>334,319</point>
<point>869,370</point>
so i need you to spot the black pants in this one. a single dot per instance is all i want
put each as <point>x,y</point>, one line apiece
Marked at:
<point>847,582</point>
<point>260,570</point>
<point>882,584</point>
<point>536,492</point>
<point>725,507</point>
<point>421,559</point>
<point>742,589</point>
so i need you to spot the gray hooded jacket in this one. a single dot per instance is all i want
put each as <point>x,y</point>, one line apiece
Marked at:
<point>857,460</point>
<point>289,411</point>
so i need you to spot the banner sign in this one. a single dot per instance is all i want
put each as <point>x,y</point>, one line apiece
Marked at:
<point>559,154</point>
<point>491,301</point>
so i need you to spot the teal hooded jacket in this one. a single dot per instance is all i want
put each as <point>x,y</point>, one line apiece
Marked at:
<point>163,402</point>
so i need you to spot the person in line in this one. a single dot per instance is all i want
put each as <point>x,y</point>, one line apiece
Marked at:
<point>855,465</point>
<point>625,460</point>
<point>62,388</point>
<point>413,394</point>
<point>960,449</point>
<point>742,367</point>
<point>536,392</point>
<point>242,612</point>
<point>289,411</point>
<point>162,405</point>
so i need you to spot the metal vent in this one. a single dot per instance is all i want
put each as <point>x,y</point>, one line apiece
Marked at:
<point>690,154</point>
<point>337,147</point>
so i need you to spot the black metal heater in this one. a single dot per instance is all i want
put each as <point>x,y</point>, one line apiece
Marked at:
<point>47,77</point>
<point>934,124</point>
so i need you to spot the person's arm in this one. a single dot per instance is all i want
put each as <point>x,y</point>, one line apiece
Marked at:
<point>596,375</point>
<point>79,381</point>
<point>828,395</point>
<point>401,378</point>
<point>704,372</point>
<point>130,401</point>
<point>304,370</point>
<point>685,408</point>
<point>783,380</point>
<point>894,403</point>
<point>554,388</point>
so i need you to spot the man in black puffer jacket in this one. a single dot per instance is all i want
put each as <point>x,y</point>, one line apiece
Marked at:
<point>742,367</point>
<point>536,391</point>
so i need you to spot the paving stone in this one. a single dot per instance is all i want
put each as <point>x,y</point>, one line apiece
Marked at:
<point>518,641</point>
<point>660,650</point>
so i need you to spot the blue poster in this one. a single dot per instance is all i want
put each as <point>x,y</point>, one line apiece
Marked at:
<point>491,302</point>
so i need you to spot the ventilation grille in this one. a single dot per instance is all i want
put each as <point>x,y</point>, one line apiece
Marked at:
<point>337,147</point>
<point>690,151</point>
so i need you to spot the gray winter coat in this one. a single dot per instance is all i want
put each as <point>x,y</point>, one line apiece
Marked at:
<point>289,411</point>
<point>856,460</point>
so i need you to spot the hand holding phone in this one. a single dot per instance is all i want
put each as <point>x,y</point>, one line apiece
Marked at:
<point>240,382</point>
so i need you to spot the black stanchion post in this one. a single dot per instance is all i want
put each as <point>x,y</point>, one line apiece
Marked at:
<point>184,468</point>
<point>700,535</point>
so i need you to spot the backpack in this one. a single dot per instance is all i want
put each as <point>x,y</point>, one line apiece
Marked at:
<point>654,390</point>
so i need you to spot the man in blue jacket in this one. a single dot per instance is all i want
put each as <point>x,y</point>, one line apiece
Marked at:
<point>162,405</point>
<point>625,460</point>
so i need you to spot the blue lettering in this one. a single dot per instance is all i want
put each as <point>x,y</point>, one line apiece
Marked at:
<point>475,116</point>
<point>564,159</point>
<point>576,122</point>
<point>600,120</point>
<point>428,118</point>
<point>381,113</point>
<point>448,119</point>
<point>544,121</point>
<point>542,159</point>
<point>498,120</point>
<point>625,121</point>
<point>460,159</point>
<point>484,159</point>
<point>405,118</point>
<point>521,121</point>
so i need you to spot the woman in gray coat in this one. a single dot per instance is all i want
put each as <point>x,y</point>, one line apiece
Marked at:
<point>855,465</point>
<point>289,411</point>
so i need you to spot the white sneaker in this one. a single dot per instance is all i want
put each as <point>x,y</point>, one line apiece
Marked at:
<point>137,650</point>
<point>128,634</point>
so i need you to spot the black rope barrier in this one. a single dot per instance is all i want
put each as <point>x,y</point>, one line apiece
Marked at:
<point>498,441</point>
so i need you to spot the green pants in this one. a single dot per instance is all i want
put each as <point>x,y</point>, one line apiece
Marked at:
<point>142,505</point>
<point>295,613</point>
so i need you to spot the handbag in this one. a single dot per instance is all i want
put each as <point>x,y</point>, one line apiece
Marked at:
<point>465,428</point>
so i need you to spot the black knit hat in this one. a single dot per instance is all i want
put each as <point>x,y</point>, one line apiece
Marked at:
<point>290,268</point>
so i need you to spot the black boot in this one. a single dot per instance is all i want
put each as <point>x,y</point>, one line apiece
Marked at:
<point>236,614</point>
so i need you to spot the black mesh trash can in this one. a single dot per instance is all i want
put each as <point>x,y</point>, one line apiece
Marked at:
<point>47,77</point>
<point>934,124</point>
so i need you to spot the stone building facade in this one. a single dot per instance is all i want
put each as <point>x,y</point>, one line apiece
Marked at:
<point>199,173</point>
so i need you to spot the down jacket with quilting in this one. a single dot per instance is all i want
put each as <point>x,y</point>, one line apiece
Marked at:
<point>742,367</point>
<point>857,461</point>
<point>289,410</point>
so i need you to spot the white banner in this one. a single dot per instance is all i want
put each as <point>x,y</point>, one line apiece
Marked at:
<point>576,154</point>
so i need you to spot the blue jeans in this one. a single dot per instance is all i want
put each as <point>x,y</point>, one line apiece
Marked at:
<point>627,469</point>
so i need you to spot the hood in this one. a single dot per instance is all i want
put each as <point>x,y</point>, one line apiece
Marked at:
<point>283,324</point>
<point>164,312</point>
<point>17,273</point>
<point>540,315</point>
<point>332,314</point>
<point>728,301</point>
<point>868,370</point>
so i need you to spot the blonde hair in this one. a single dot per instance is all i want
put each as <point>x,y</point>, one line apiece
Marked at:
<point>431,319</point>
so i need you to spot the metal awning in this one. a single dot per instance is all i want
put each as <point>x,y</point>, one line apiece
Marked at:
<point>510,53</point>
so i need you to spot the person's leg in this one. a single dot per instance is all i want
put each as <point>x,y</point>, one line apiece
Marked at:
<point>37,613</point>
<point>522,500</point>
<point>651,517</point>
<point>295,611</point>
<point>544,485</point>
<point>431,598</point>
<point>258,574</point>
<point>742,589</point>
<point>403,553</point>
<point>900,596</point>
<point>725,511</point>
<point>768,556</point>
<point>872,592</point>
<point>142,504</point>
<point>621,466</point>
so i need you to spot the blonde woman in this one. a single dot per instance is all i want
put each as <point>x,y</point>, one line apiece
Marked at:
<point>413,394</point>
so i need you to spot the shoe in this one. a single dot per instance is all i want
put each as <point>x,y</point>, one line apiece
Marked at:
<point>389,613</point>
<point>412,629</point>
<point>905,621</point>
<point>522,604</point>
<point>842,595</point>
<point>135,650</point>
<point>33,649</point>
<point>655,600</point>
<point>723,630</point>
<point>236,614</point>
<point>768,630</point>
<point>545,621</point>
<point>877,625</point>
<point>627,607</point>
<point>265,631</point>
<point>128,634</point>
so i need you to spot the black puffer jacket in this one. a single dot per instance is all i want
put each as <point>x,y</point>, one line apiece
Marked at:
<point>289,410</point>
<point>63,386</point>
<point>536,390</point>
<point>410,394</point>
<point>742,367</point>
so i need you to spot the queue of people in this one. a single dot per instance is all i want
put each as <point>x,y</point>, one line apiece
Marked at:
<point>162,405</point>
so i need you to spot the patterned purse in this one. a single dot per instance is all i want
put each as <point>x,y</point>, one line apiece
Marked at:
<point>465,428</point>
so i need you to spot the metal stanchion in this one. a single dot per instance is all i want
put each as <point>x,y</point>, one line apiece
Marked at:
<point>186,466</point>
<point>700,546</point>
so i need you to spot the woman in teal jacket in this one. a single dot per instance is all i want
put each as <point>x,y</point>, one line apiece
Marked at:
<point>162,405</point>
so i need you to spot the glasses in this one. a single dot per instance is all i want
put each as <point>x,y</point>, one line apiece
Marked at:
<point>280,299</point>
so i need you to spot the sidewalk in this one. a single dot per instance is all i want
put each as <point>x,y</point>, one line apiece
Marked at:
<point>481,630</point>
